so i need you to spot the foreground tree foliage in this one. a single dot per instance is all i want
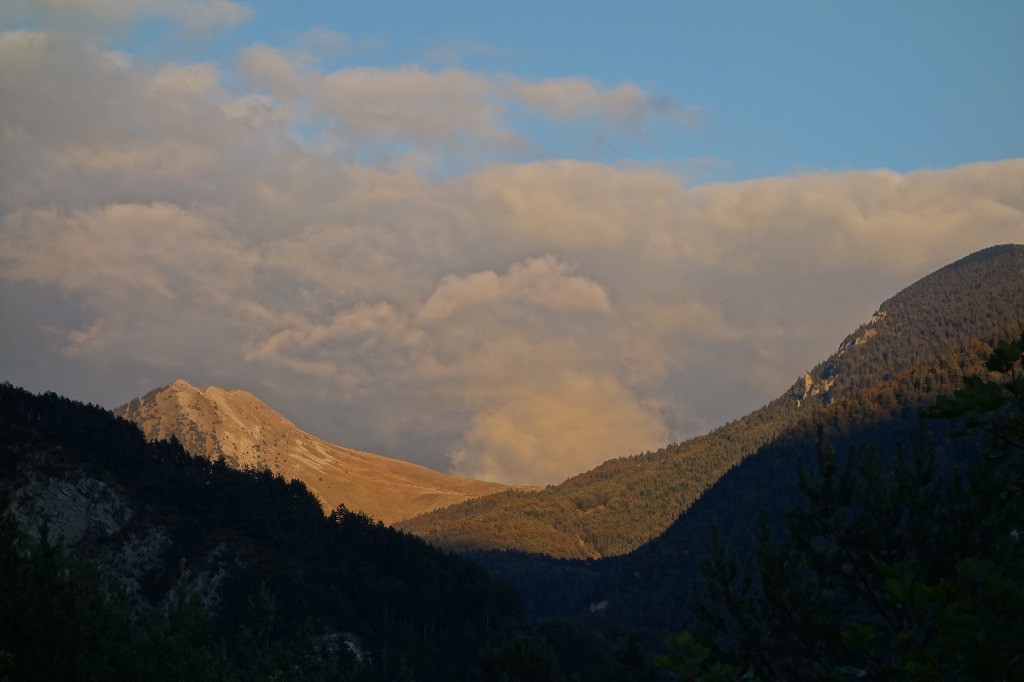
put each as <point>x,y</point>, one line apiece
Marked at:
<point>912,570</point>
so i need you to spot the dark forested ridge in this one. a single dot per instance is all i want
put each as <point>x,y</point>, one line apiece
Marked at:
<point>652,587</point>
<point>245,566</point>
<point>626,502</point>
<point>892,565</point>
<point>127,559</point>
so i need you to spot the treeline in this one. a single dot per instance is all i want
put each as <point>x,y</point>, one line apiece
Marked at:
<point>626,502</point>
<point>894,565</point>
<point>885,549</point>
<point>253,581</point>
<point>650,589</point>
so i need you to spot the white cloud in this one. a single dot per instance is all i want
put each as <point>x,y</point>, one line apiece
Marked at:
<point>520,321</point>
<point>567,425</point>
<point>275,71</point>
<point>541,281</point>
<point>123,250</point>
<point>451,107</point>
<point>573,98</point>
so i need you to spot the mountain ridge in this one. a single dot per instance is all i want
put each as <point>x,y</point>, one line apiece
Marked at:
<point>126,558</point>
<point>624,502</point>
<point>247,433</point>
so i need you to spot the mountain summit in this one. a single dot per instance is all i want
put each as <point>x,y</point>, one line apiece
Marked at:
<point>247,433</point>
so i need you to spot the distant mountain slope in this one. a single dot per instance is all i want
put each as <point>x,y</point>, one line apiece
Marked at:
<point>626,502</point>
<point>247,433</point>
<point>650,589</point>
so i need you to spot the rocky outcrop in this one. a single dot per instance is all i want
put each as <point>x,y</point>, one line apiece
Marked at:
<point>94,518</point>
<point>237,426</point>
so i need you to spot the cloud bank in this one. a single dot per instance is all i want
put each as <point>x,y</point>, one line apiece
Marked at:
<point>288,229</point>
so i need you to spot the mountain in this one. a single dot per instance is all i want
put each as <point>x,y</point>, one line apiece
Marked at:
<point>872,392</point>
<point>133,559</point>
<point>651,589</point>
<point>124,558</point>
<point>247,433</point>
<point>128,559</point>
<point>898,361</point>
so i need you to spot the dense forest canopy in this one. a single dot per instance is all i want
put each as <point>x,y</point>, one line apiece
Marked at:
<point>898,569</point>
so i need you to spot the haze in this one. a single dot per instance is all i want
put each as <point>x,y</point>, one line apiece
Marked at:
<point>507,241</point>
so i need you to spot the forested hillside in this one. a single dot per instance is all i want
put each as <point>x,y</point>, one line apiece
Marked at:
<point>251,574</point>
<point>893,565</point>
<point>651,589</point>
<point>901,359</point>
<point>128,559</point>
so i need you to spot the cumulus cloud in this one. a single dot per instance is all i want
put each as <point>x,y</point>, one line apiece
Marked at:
<point>541,281</point>
<point>411,104</point>
<point>408,109</point>
<point>122,250</point>
<point>563,427</point>
<point>274,71</point>
<point>519,321</point>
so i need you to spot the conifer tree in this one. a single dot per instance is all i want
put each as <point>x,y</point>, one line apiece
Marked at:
<point>912,569</point>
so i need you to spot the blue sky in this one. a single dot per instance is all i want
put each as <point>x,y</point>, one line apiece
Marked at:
<point>506,240</point>
<point>776,87</point>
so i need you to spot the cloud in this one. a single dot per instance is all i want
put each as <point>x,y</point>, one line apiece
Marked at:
<point>195,16</point>
<point>324,41</point>
<point>871,218</point>
<point>122,250</point>
<point>556,430</point>
<point>520,321</point>
<point>410,104</point>
<point>199,17</point>
<point>454,106</point>
<point>365,333</point>
<point>571,99</point>
<point>274,71</point>
<point>396,110</point>
<point>575,204</point>
<point>541,281</point>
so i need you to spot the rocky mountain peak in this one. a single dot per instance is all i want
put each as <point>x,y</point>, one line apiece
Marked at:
<point>247,433</point>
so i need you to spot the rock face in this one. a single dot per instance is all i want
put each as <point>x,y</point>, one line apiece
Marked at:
<point>247,433</point>
<point>93,516</point>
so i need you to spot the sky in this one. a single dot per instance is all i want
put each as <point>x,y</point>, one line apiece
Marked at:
<point>503,240</point>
